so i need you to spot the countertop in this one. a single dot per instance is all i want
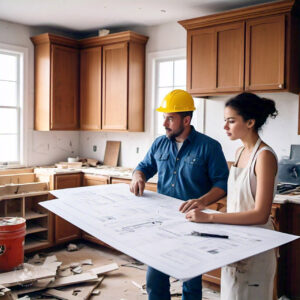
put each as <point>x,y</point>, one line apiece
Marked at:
<point>116,172</point>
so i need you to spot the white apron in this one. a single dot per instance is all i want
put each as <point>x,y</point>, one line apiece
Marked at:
<point>251,278</point>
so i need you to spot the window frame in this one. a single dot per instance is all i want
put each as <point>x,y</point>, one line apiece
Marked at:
<point>153,59</point>
<point>21,106</point>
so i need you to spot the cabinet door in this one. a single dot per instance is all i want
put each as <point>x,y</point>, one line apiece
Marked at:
<point>230,57</point>
<point>216,59</point>
<point>65,231</point>
<point>94,180</point>
<point>115,87</point>
<point>201,61</point>
<point>265,53</point>
<point>64,88</point>
<point>90,88</point>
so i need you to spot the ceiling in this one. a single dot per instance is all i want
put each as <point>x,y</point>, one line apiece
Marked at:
<point>87,15</point>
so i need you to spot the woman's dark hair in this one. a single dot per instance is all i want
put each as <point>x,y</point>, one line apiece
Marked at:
<point>250,106</point>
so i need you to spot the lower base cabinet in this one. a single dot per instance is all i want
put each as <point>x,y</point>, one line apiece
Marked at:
<point>89,180</point>
<point>63,230</point>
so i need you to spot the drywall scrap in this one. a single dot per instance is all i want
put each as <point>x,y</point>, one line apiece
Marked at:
<point>47,277</point>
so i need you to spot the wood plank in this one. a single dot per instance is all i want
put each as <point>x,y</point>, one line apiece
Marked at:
<point>112,151</point>
<point>16,171</point>
<point>104,269</point>
<point>74,279</point>
<point>28,274</point>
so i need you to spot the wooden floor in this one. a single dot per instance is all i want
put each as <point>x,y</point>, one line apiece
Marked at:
<point>122,284</point>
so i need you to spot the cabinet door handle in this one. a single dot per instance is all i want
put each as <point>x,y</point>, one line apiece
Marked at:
<point>280,86</point>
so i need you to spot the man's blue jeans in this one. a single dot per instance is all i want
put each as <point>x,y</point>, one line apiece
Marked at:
<point>158,286</point>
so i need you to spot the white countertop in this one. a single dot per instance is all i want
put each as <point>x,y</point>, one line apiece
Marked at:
<point>281,199</point>
<point>118,172</point>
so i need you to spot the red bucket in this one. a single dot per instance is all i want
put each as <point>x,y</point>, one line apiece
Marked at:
<point>12,233</point>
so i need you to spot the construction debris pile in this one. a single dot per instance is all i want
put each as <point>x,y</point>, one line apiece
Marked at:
<point>42,277</point>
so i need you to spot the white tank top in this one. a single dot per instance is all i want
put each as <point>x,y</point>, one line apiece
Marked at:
<point>253,180</point>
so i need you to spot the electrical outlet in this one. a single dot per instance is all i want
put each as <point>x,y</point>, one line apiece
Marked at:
<point>94,148</point>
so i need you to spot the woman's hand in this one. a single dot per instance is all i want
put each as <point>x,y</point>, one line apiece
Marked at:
<point>196,215</point>
<point>191,204</point>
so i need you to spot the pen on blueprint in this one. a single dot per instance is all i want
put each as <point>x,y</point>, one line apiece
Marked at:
<point>203,234</point>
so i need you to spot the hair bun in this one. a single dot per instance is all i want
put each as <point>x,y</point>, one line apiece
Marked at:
<point>268,106</point>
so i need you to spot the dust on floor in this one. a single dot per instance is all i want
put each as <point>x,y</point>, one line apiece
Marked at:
<point>123,284</point>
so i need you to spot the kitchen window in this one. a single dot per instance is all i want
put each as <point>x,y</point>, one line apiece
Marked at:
<point>167,71</point>
<point>170,75</point>
<point>11,105</point>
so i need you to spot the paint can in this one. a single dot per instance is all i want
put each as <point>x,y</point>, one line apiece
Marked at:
<point>12,234</point>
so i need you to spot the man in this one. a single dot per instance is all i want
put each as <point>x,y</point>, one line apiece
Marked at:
<point>191,167</point>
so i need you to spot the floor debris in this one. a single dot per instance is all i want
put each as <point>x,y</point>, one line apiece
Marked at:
<point>72,247</point>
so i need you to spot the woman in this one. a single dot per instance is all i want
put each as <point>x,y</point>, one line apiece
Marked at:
<point>251,187</point>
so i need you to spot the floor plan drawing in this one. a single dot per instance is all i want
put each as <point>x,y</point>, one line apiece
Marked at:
<point>151,229</point>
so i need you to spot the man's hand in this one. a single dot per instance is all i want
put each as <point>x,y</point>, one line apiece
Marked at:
<point>137,184</point>
<point>196,215</point>
<point>191,204</point>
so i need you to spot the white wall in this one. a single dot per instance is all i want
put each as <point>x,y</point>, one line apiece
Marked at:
<point>279,133</point>
<point>41,148</point>
<point>49,147</point>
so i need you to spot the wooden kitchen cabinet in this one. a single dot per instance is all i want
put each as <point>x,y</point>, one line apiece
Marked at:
<point>265,40</point>
<point>56,83</point>
<point>268,34</point>
<point>292,270</point>
<point>117,102</point>
<point>91,179</point>
<point>215,59</point>
<point>63,230</point>
<point>148,186</point>
<point>90,88</point>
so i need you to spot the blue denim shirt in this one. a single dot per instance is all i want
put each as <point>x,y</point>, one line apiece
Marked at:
<point>190,172</point>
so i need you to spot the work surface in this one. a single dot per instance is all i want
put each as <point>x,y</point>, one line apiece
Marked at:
<point>152,230</point>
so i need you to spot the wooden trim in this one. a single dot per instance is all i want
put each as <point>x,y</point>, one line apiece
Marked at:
<point>55,39</point>
<point>113,38</point>
<point>239,14</point>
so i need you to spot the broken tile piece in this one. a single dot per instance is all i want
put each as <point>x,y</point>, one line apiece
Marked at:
<point>72,247</point>
<point>96,292</point>
<point>50,259</point>
<point>77,270</point>
<point>86,262</point>
<point>74,265</point>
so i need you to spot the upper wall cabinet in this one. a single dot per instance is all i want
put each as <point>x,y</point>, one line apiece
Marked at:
<point>112,76</point>
<point>111,82</point>
<point>56,83</point>
<point>90,88</point>
<point>249,49</point>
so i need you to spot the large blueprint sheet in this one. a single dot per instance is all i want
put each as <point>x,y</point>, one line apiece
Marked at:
<point>151,229</point>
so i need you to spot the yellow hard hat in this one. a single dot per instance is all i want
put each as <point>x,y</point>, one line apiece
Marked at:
<point>177,101</point>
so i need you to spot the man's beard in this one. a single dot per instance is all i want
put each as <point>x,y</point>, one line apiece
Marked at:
<point>175,134</point>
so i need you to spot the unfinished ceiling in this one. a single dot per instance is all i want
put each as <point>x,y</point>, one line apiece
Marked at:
<point>87,15</point>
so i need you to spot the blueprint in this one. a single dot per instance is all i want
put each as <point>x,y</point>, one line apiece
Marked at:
<point>152,230</point>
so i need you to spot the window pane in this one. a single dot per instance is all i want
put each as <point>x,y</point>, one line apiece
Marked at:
<point>8,67</point>
<point>183,87</point>
<point>8,121</point>
<point>180,72</point>
<point>165,73</point>
<point>162,92</point>
<point>9,148</point>
<point>8,93</point>
<point>160,129</point>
